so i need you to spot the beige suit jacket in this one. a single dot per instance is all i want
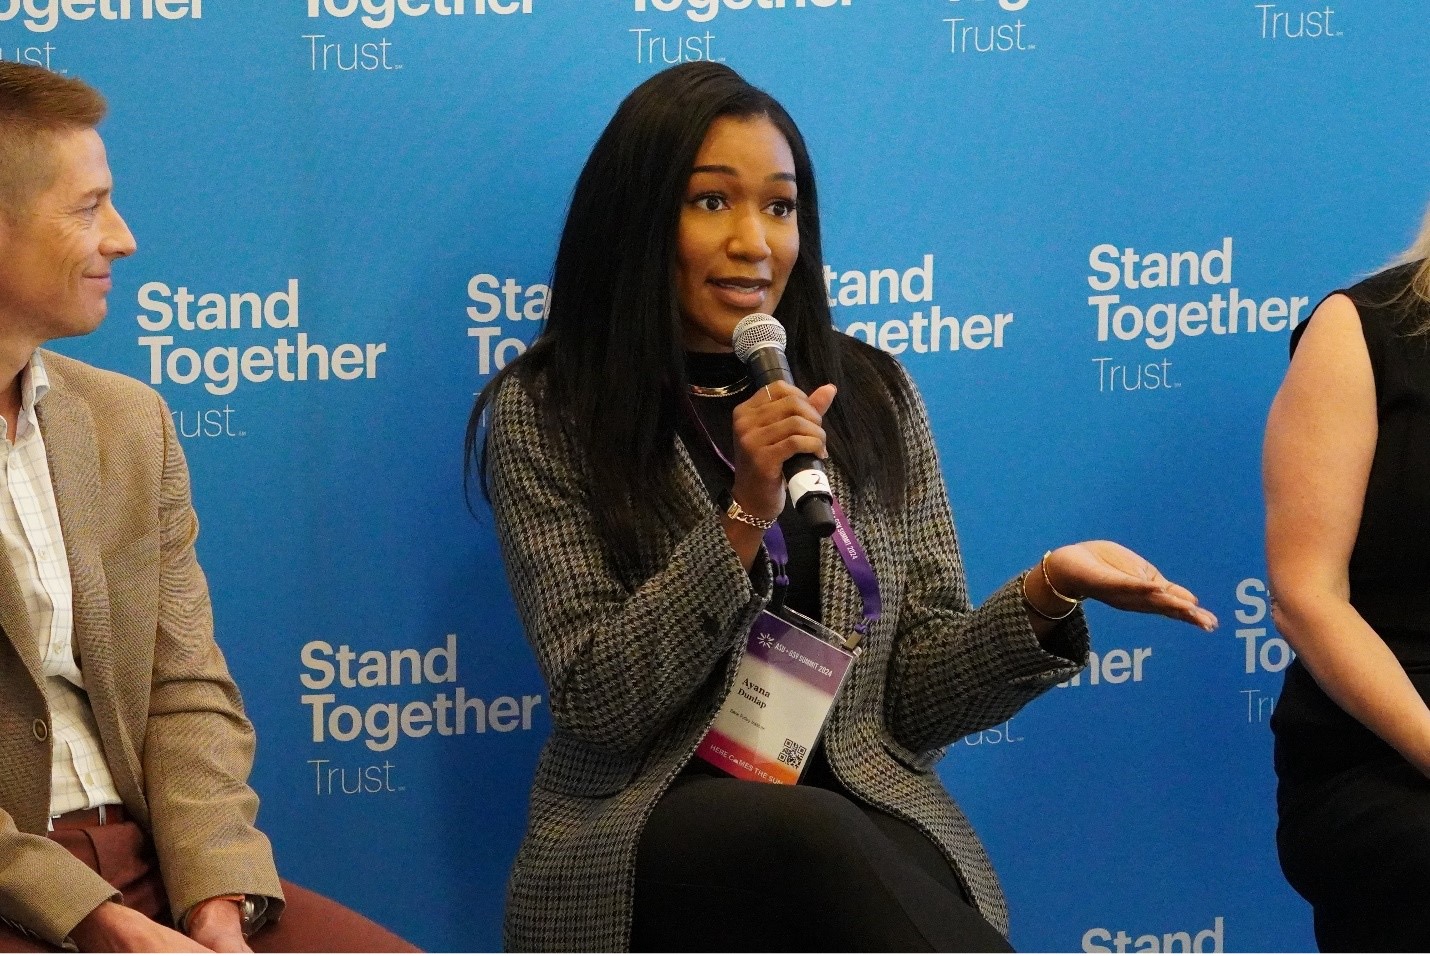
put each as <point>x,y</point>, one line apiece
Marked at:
<point>174,732</point>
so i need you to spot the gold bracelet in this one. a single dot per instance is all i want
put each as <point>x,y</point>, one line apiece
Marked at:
<point>1049,582</point>
<point>735,513</point>
<point>1039,611</point>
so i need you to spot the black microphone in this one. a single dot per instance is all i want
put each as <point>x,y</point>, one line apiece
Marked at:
<point>759,342</point>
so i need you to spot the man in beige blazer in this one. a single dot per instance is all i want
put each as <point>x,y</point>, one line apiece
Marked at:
<point>126,820</point>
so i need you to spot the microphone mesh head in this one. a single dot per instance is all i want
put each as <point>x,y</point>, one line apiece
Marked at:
<point>757,331</point>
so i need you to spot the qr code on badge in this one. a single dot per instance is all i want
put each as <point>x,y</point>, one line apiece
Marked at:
<point>793,753</point>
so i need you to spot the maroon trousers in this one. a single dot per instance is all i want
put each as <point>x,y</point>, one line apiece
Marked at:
<point>124,855</point>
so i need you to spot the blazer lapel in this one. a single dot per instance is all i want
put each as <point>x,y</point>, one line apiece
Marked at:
<point>692,486</point>
<point>73,453</point>
<point>15,622</point>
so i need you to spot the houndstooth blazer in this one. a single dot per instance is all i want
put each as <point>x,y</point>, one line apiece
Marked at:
<point>174,733</point>
<point>638,662</point>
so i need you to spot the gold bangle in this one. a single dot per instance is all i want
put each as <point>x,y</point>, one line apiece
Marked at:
<point>1027,602</point>
<point>1049,582</point>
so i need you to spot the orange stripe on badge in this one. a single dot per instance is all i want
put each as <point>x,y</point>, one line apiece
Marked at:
<point>741,762</point>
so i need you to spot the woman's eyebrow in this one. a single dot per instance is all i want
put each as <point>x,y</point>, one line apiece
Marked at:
<point>731,171</point>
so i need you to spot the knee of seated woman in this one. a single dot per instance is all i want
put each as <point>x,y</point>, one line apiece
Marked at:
<point>809,825</point>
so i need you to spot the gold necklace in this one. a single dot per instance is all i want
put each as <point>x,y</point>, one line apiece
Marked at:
<point>720,391</point>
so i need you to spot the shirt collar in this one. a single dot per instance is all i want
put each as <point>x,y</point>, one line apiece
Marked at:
<point>34,383</point>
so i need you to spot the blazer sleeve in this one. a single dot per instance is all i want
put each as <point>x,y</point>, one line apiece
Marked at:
<point>199,744</point>
<point>620,661</point>
<point>955,669</point>
<point>44,891</point>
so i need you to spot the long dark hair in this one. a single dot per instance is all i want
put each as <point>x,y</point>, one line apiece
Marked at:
<point>609,365</point>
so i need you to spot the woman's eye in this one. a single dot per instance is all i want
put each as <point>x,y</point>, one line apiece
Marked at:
<point>784,208</point>
<point>710,203</point>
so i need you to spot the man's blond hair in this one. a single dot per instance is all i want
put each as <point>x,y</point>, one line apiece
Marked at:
<point>35,105</point>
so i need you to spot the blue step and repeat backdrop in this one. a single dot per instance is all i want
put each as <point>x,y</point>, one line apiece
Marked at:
<point>1085,226</point>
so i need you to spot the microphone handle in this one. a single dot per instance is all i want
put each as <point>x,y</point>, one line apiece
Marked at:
<point>808,485</point>
<point>769,365</point>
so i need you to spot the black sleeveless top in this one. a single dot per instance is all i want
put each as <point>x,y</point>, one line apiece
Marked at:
<point>1390,563</point>
<point>1390,566</point>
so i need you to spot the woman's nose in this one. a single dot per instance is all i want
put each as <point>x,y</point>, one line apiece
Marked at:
<point>748,240</point>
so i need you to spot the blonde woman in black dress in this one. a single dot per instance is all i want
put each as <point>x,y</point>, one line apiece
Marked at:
<point>1347,477</point>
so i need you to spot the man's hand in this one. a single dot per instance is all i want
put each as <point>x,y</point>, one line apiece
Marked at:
<point>218,924</point>
<point>112,928</point>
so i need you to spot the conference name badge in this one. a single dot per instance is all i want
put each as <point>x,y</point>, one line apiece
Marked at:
<point>784,689</point>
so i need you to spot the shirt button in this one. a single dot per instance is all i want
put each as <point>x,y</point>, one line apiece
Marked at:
<point>39,729</point>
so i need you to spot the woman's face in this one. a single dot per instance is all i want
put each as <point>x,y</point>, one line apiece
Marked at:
<point>739,235</point>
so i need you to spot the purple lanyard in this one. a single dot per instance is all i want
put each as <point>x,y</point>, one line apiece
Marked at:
<point>851,552</point>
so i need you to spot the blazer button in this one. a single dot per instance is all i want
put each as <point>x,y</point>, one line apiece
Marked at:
<point>39,729</point>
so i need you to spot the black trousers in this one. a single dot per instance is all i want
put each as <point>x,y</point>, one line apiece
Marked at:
<point>1360,855</point>
<point>1354,827</point>
<point>727,865</point>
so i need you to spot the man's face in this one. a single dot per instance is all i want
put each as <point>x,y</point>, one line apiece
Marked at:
<point>55,258</point>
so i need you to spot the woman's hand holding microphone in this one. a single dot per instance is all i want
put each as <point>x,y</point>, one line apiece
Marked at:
<point>778,421</point>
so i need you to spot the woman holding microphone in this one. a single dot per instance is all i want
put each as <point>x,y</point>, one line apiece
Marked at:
<point>636,478</point>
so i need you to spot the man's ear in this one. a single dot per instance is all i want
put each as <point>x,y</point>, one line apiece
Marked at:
<point>11,226</point>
